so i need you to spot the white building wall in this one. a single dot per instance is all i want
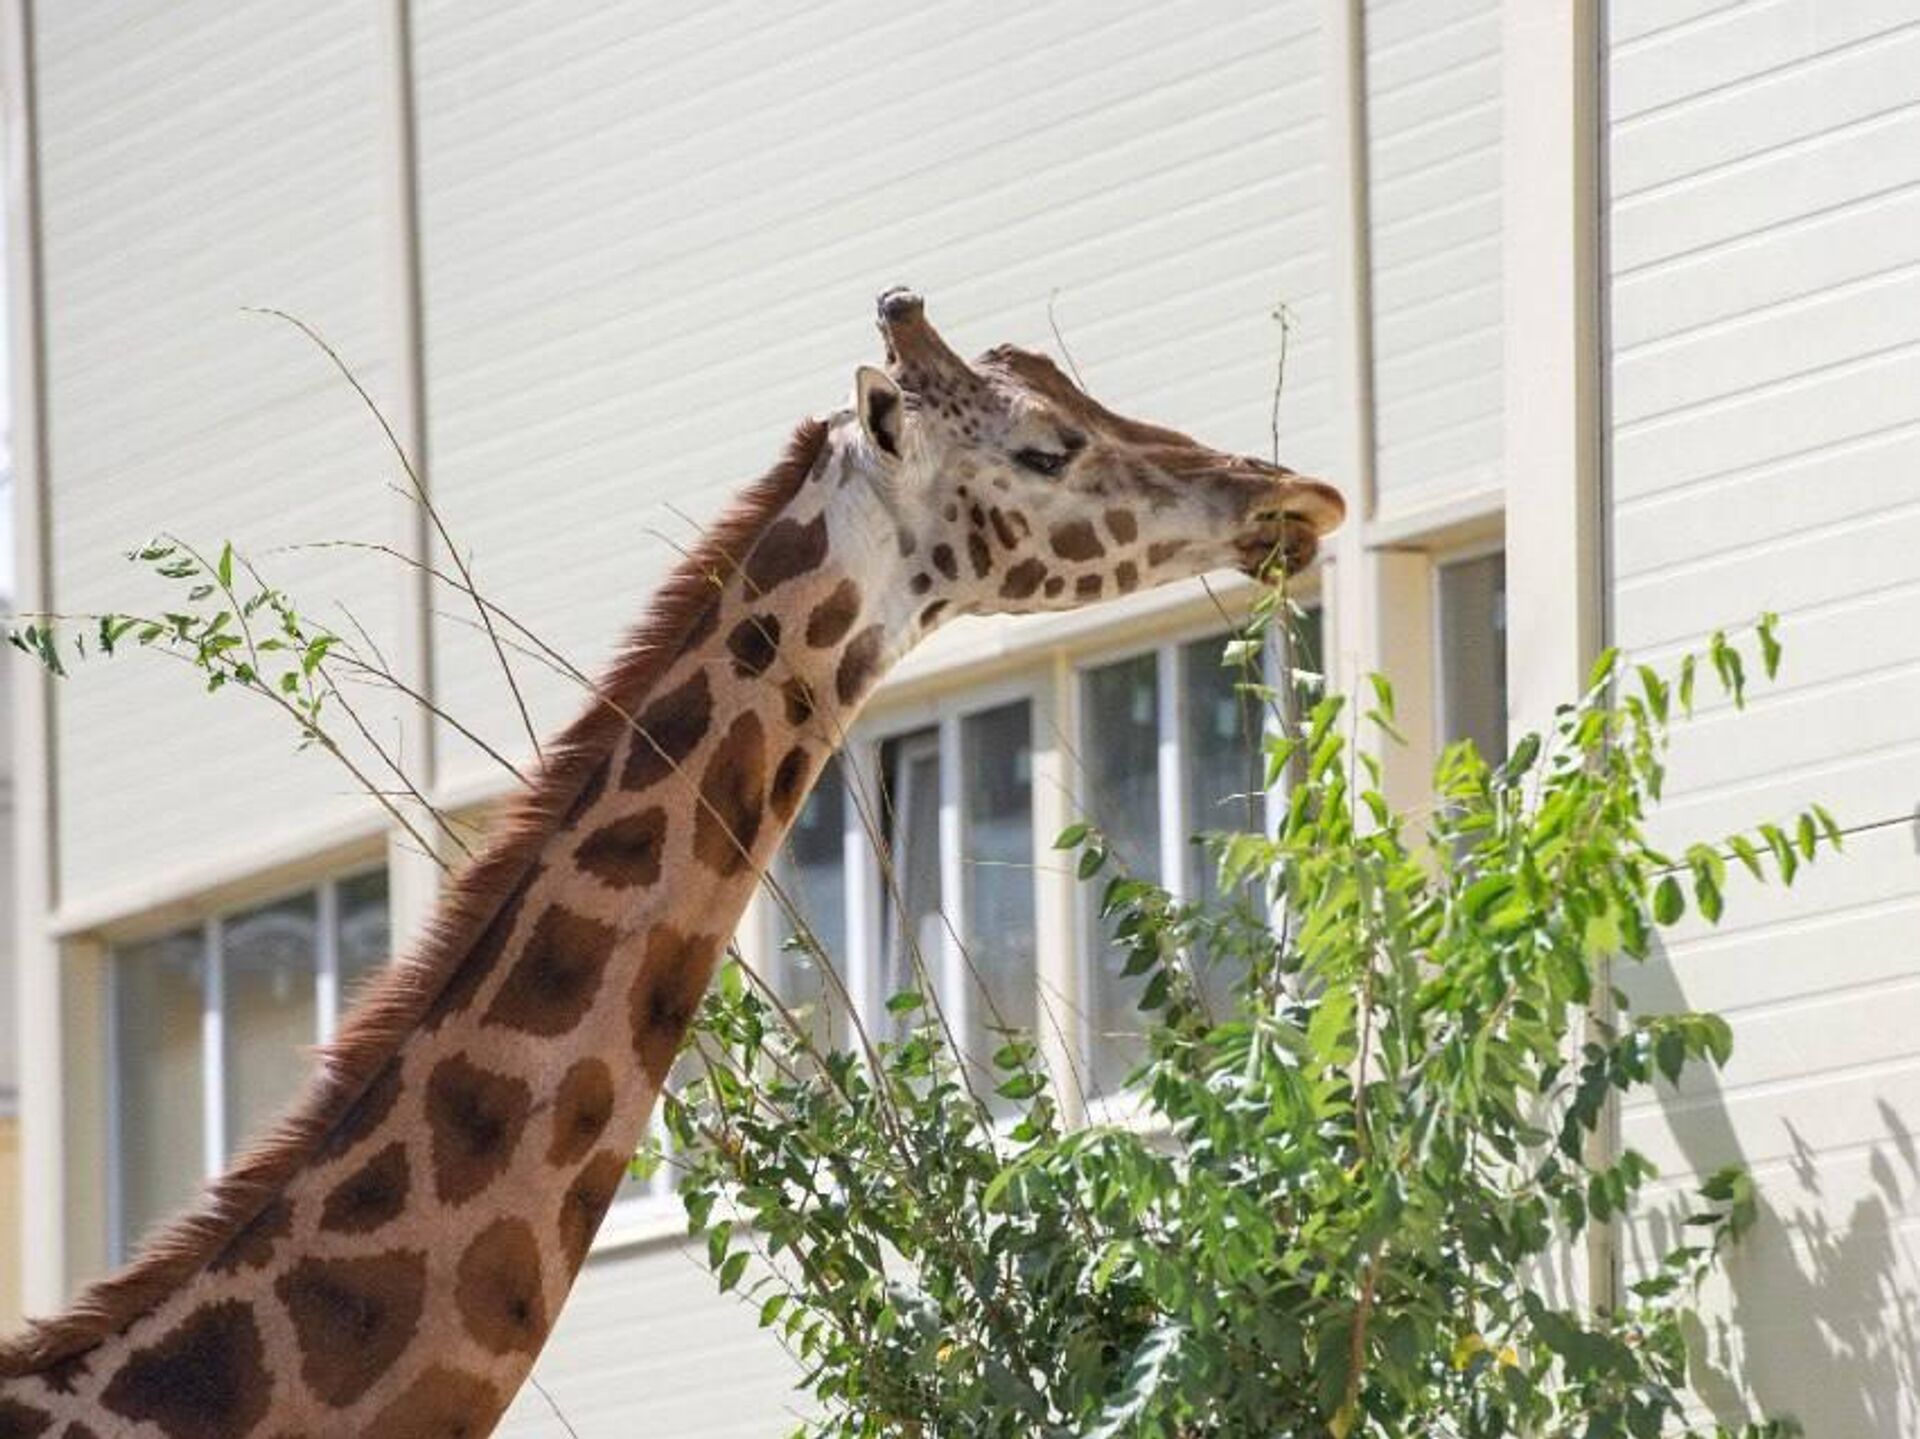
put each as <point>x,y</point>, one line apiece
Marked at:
<point>1433,118</point>
<point>1764,235</point>
<point>645,1346</point>
<point>197,158</point>
<point>653,239</point>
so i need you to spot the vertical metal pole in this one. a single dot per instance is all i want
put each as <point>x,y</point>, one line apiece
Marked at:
<point>36,812</point>
<point>1351,647</point>
<point>413,878</point>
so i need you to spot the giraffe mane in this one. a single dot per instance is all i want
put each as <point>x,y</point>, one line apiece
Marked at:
<point>393,1006</point>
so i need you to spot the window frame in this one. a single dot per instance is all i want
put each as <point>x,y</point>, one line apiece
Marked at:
<point>864,890</point>
<point>1439,560</point>
<point>1170,755</point>
<point>216,1154</point>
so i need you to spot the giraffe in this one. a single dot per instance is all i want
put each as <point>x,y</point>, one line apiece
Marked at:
<point>389,1261</point>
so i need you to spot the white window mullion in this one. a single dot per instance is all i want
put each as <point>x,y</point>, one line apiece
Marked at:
<point>213,1052</point>
<point>865,894</point>
<point>1173,800</point>
<point>326,961</point>
<point>116,1122</point>
<point>956,986</point>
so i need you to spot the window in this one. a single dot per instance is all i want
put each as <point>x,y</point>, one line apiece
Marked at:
<point>947,891</point>
<point>211,1026</point>
<point>1170,749</point>
<point>1471,601</point>
<point>811,879</point>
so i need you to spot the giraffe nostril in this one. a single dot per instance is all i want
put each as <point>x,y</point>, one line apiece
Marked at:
<point>898,304</point>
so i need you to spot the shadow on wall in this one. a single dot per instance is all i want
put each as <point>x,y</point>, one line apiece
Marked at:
<point>1819,1323</point>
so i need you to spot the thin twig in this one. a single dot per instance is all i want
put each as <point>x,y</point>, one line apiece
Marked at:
<point>1061,340</point>
<point>421,498</point>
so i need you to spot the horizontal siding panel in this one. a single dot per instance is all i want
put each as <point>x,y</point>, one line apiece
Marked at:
<point>1861,397</point>
<point>1853,241</point>
<point>653,245</point>
<point>1826,172</point>
<point>1835,90</point>
<point>1433,109</point>
<point>1799,1119</point>
<point>1764,160</point>
<point>1797,571</point>
<point>199,158</point>
<point>1831,327</point>
<point>1695,63</point>
<point>1850,481</point>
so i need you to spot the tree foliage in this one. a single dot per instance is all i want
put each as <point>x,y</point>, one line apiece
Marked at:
<point>1339,1204</point>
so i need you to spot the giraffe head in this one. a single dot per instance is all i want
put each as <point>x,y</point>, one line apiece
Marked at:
<point>1015,491</point>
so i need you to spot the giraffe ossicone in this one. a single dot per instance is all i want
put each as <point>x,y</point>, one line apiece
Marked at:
<point>390,1259</point>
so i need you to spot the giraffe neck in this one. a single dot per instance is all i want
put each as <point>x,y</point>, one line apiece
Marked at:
<point>403,1278</point>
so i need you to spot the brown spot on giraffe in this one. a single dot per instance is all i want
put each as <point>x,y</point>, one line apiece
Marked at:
<point>1076,540</point>
<point>705,621</point>
<point>1126,577</point>
<point>591,788</point>
<point>625,852</point>
<point>366,1113</point>
<point>353,1318</point>
<point>465,982</point>
<point>797,696</point>
<point>931,613</point>
<point>859,663</point>
<point>206,1378</point>
<point>1160,551</point>
<point>553,981</point>
<point>789,782</point>
<point>64,1375</point>
<point>441,1403</point>
<point>582,1109</point>
<point>732,794</point>
<point>834,616</point>
<point>372,1196</point>
<point>754,644</point>
<point>1022,579</point>
<point>788,549</point>
<point>920,583</point>
<point>667,731</point>
<point>1088,587</point>
<point>944,561</point>
<point>586,1203</point>
<point>978,554</point>
<point>252,1247</point>
<point>1002,528</point>
<point>474,1119</point>
<point>78,1431</point>
<point>1122,526</point>
<point>498,1291</point>
<point>1054,586</point>
<point>673,976</point>
<point>22,1421</point>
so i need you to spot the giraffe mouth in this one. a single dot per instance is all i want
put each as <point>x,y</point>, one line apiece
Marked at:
<point>1278,545</point>
<point>1284,529</point>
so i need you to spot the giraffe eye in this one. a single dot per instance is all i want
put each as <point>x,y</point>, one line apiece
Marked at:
<point>1041,462</point>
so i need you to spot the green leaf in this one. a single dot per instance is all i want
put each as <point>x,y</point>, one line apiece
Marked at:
<point>1668,902</point>
<point>1769,643</point>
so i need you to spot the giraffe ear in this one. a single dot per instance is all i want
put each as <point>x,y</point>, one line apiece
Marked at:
<point>881,407</point>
